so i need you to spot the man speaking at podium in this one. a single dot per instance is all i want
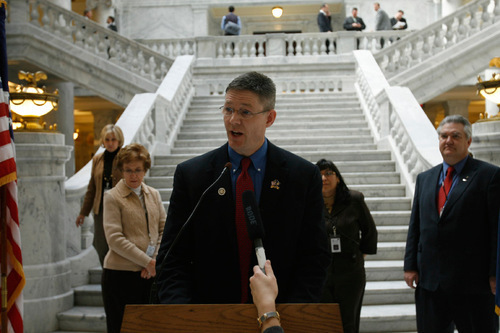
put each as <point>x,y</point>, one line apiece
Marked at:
<point>288,193</point>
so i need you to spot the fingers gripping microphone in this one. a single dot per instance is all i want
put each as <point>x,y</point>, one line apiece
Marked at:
<point>254,226</point>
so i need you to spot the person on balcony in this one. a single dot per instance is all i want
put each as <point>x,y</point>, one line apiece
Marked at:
<point>351,235</point>
<point>134,218</point>
<point>382,21</point>
<point>398,22</point>
<point>231,23</point>
<point>451,248</point>
<point>104,176</point>
<point>111,23</point>
<point>354,22</point>
<point>324,19</point>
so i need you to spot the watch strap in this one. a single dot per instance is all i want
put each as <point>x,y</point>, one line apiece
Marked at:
<point>267,315</point>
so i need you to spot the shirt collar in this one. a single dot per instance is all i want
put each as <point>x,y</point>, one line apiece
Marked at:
<point>458,166</point>
<point>258,158</point>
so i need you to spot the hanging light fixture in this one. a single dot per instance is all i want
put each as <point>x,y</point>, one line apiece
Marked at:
<point>277,11</point>
<point>490,89</point>
<point>31,102</point>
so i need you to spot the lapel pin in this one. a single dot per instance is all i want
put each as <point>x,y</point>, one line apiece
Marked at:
<point>275,184</point>
<point>465,179</point>
<point>221,191</point>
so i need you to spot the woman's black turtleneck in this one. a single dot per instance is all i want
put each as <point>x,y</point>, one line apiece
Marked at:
<point>107,175</point>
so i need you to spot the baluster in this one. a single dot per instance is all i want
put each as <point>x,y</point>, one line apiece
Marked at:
<point>229,51</point>
<point>253,50</point>
<point>307,46</point>
<point>35,16</point>
<point>289,49</point>
<point>261,49</point>
<point>112,50</point>
<point>46,18</point>
<point>449,35</point>
<point>244,48</point>
<point>237,49</point>
<point>298,47</point>
<point>321,41</point>
<point>220,50</point>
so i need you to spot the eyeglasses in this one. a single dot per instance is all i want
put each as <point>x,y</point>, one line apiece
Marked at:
<point>245,114</point>
<point>328,173</point>
<point>133,172</point>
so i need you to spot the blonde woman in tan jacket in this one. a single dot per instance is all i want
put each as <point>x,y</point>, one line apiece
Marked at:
<point>134,218</point>
<point>104,176</point>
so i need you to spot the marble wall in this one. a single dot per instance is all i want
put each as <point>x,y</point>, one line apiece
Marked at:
<point>41,159</point>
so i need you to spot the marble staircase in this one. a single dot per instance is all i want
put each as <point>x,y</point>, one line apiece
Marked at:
<point>313,126</point>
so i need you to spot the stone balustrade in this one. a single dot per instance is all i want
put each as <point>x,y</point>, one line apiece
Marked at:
<point>278,44</point>
<point>397,120</point>
<point>151,119</point>
<point>99,40</point>
<point>437,37</point>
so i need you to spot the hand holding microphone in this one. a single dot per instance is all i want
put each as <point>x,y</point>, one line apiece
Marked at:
<point>255,227</point>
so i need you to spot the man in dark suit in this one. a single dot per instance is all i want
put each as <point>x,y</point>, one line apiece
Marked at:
<point>451,251</point>
<point>288,192</point>
<point>398,22</point>
<point>354,22</point>
<point>324,19</point>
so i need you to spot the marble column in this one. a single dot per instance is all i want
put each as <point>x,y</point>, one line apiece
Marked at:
<point>486,141</point>
<point>460,107</point>
<point>200,16</point>
<point>41,173</point>
<point>65,119</point>
<point>101,10</point>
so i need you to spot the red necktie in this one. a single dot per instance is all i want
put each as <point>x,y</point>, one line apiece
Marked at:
<point>445,188</point>
<point>243,183</point>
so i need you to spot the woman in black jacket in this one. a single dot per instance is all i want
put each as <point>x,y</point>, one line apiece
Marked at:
<point>351,235</point>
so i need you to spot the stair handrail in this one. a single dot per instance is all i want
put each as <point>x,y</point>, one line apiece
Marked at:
<point>464,23</point>
<point>151,119</point>
<point>397,121</point>
<point>99,40</point>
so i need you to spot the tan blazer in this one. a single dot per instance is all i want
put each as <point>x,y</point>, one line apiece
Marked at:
<point>94,189</point>
<point>126,228</point>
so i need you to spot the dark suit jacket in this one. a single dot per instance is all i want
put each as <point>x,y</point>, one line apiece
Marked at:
<point>203,266</point>
<point>456,251</point>
<point>350,20</point>
<point>395,20</point>
<point>324,22</point>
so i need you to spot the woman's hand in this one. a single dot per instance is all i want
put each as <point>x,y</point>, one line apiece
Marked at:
<point>79,220</point>
<point>150,270</point>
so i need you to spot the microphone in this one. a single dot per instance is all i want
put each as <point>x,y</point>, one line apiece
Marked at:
<point>153,296</point>
<point>255,227</point>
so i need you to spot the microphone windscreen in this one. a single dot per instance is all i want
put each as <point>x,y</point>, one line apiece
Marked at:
<point>252,216</point>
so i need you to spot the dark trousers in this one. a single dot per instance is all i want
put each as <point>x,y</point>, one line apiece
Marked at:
<point>437,311</point>
<point>346,287</point>
<point>100,244</point>
<point>120,288</point>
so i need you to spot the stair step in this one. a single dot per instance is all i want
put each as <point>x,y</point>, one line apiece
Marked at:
<point>389,251</point>
<point>397,317</point>
<point>88,295</point>
<point>95,275</point>
<point>392,233</point>
<point>320,146</point>
<point>83,318</point>
<point>388,292</point>
<point>383,270</point>
<point>200,139</point>
<point>391,217</point>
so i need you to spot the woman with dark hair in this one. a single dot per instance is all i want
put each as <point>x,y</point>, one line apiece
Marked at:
<point>351,235</point>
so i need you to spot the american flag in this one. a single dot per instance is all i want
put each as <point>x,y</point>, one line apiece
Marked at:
<point>14,276</point>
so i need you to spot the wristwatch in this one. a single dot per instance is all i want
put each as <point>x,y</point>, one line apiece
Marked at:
<point>267,315</point>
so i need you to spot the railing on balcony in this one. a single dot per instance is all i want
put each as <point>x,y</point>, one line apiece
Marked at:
<point>464,23</point>
<point>99,40</point>
<point>279,44</point>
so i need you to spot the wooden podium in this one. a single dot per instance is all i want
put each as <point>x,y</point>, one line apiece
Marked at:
<point>228,318</point>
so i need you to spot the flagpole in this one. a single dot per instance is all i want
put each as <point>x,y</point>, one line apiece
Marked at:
<point>3,222</point>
